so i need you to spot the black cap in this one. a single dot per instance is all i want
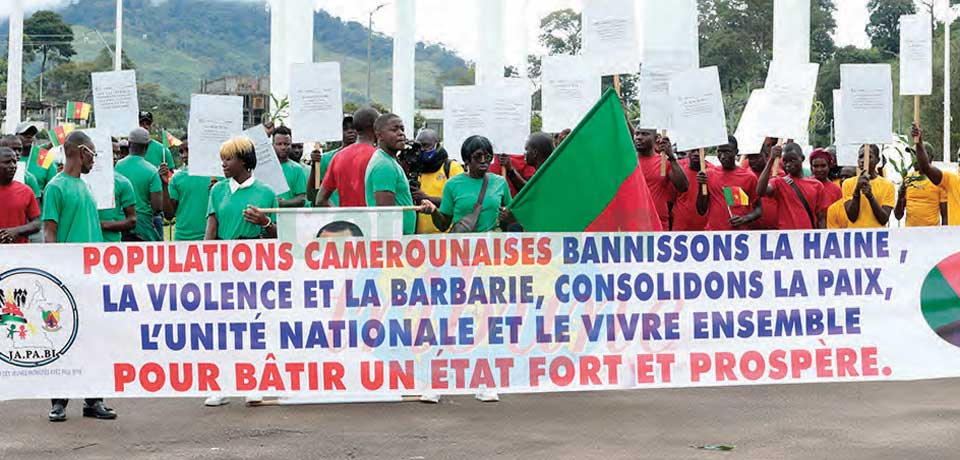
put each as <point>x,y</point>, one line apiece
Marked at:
<point>146,116</point>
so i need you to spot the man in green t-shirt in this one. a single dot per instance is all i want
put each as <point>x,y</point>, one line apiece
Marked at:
<point>123,217</point>
<point>26,132</point>
<point>186,198</point>
<point>156,154</point>
<point>296,177</point>
<point>385,182</point>
<point>147,187</point>
<point>70,216</point>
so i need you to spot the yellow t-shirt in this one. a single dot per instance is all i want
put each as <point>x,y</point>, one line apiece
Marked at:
<point>432,184</point>
<point>837,216</point>
<point>883,190</point>
<point>923,203</point>
<point>951,185</point>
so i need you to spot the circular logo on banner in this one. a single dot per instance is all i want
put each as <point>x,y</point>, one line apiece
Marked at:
<point>38,318</point>
<point>940,299</point>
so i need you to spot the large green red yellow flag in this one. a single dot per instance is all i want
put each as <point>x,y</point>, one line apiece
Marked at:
<point>78,110</point>
<point>592,182</point>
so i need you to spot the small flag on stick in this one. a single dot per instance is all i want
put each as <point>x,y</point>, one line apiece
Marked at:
<point>735,196</point>
<point>59,134</point>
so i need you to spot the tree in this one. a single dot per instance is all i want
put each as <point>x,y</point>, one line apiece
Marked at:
<point>560,32</point>
<point>48,36</point>
<point>884,25</point>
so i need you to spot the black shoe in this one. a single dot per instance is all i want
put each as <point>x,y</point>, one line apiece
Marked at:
<point>99,410</point>
<point>58,413</point>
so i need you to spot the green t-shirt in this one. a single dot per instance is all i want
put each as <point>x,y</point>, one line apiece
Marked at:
<point>145,180</point>
<point>461,193</point>
<point>384,174</point>
<point>123,199</point>
<point>192,194</point>
<point>157,154</point>
<point>325,161</point>
<point>43,176</point>
<point>296,180</point>
<point>31,181</point>
<point>69,202</point>
<point>228,208</point>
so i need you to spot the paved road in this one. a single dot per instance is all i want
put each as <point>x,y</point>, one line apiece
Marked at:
<point>843,421</point>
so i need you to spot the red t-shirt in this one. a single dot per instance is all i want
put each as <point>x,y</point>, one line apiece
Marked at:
<point>347,174</point>
<point>685,215</point>
<point>518,162</point>
<point>661,189</point>
<point>770,218</point>
<point>832,193</point>
<point>792,214</point>
<point>18,206</point>
<point>718,217</point>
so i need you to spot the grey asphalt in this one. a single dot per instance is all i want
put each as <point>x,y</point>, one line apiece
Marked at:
<point>919,420</point>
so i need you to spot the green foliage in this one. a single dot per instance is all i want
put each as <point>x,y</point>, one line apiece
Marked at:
<point>47,37</point>
<point>884,25</point>
<point>280,112</point>
<point>560,32</point>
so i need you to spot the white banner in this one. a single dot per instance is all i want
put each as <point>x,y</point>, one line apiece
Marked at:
<point>268,165</point>
<point>698,120</point>
<point>316,102</point>
<point>500,111</point>
<point>791,31</point>
<point>213,121</point>
<point>610,41</point>
<point>101,177</point>
<point>115,104</point>
<point>570,89</point>
<point>515,314</point>
<point>867,94</point>
<point>916,55</point>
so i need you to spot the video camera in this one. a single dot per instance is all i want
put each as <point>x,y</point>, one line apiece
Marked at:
<point>410,157</point>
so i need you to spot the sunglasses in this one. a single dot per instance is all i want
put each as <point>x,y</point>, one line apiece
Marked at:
<point>92,153</point>
<point>481,157</point>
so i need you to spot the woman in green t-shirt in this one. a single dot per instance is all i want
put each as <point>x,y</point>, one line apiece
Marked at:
<point>234,209</point>
<point>462,193</point>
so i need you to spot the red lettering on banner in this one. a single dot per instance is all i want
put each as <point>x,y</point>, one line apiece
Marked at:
<point>646,372</point>
<point>123,374</point>
<point>394,254</point>
<point>153,377</point>
<point>778,365</point>
<point>91,257</point>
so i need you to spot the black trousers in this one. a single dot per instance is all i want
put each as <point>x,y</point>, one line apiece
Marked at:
<point>89,401</point>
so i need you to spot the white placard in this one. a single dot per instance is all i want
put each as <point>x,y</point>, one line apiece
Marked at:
<point>499,111</point>
<point>790,91</point>
<point>847,154</point>
<point>316,102</point>
<point>656,105</point>
<point>699,120</point>
<point>867,95</point>
<point>213,121</point>
<point>268,169</point>
<point>570,89</point>
<point>748,134</point>
<point>671,38</point>
<point>115,104</point>
<point>100,179</point>
<point>791,31</point>
<point>21,174</point>
<point>916,55</point>
<point>610,41</point>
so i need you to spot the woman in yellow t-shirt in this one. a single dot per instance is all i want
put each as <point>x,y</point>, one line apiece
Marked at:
<point>869,198</point>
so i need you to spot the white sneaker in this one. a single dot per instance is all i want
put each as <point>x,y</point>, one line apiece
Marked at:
<point>430,398</point>
<point>216,401</point>
<point>254,400</point>
<point>488,396</point>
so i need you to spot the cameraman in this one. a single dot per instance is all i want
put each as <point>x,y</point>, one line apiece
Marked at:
<point>428,171</point>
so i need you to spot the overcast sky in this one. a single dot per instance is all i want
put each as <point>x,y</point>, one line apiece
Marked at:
<point>454,23</point>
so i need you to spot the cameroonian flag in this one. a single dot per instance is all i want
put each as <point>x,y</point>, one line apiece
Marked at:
<point>78,110</point>
<point>592,182</point>
<point>59,134</point>
<point>41,157</point>
<point>940,297</point>
<point>170,141</point>
<point>735,196</point>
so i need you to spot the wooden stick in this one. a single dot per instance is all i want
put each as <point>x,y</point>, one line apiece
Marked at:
<point>663,158</point>
<point>776,163</point>
<point>867,157</point>
<point>616,85</point>
<point>334,210</point>
<point>703,167</point>
<point>916,115</point>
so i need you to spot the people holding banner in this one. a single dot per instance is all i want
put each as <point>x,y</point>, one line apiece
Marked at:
<point>946,180</point>
<point>70,216</point>
<point>296,177</point>
<point>799,199</point>
<point>435,168</point>
<point>186,199</point>
<point>685,215</point>
<point>731,191</point>
<point>19,211</point>
<point>347,173</point>
<point>123,217</point>
<point>386,183</point>
<point>233,212</point>
<point>663,189</point>
<point>870,198</point>
<point>317,157</point>
<point>156,154</point>
<point>147,187</point>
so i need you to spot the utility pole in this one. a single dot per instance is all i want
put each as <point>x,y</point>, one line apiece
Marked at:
<point>118,54</point>
<point>370,49</point>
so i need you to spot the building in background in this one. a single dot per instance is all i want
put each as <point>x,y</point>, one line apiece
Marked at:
<point>255,92</point>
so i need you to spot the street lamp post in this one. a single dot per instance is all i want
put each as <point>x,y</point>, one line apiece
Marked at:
<point>370,49</point>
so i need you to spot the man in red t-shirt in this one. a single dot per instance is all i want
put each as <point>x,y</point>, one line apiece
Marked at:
<point>755,164</point>
<point>730,180</point>
<point>19,212</point>
<point>685,215</point>
<point>798,199</point>
<point>663,189</point>
<point>519,170</point>
<point>348,170</point>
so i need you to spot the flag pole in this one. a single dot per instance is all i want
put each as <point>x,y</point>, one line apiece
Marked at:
<point>317,180</point>
<point>616,85</point>
<point>118,48</point>
<point>703,168</point>
<point>916,119</point>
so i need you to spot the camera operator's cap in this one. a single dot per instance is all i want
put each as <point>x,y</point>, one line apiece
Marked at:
<point>146,116</point>
<point>347,119</point>
<point>27,128</point>
<point>139,136</point>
